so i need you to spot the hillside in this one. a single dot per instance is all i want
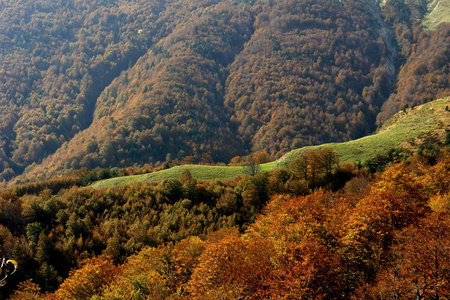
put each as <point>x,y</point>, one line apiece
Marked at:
<point>438,12</point>
<point>266,236</point>
<point>406,130</point>
<point>102,88</point>
<point>423,56</point>
<point>120,83</point>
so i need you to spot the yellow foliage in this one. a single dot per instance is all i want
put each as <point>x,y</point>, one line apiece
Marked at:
<point>144,275</point>
<point>87,281</point>
<point>27,290</point>
<point>398,178</point>
<point>231,268</point>
<point>440,203</point>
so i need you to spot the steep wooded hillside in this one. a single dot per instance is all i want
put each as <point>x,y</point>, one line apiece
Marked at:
<point>119,83</point>
<point>425,56</point>
<point>56,58</point>
<point>314,71</point>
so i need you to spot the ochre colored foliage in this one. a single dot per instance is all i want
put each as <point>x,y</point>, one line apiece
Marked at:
<point>232,267</point>
<point>385,236</point>
<point>27,290</point>
<point>88,281</point>
<point>144,275</point>
<point>419,265</point>
<point>127,83</point>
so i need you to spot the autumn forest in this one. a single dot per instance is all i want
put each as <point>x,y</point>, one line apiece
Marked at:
<point>127,83</point>
<point>96,89</point>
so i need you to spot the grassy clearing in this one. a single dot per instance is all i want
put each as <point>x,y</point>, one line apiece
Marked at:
<point>405,129</point>
<point>197,171</point>
<point>438,11</point>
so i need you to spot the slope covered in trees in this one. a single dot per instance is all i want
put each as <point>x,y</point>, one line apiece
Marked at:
<point>119,83</point>
<point>56,58</point>
<point>314,71</point>
<point>115,83</point>
<point>300,232</point>
<point>424,75</point>
<point>50,227</point>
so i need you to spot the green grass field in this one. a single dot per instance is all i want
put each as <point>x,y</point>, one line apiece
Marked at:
<point>438,11</point>
<point>405,129</point>
<point>197,171</point>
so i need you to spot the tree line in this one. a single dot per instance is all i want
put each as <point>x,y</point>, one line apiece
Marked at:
<point>378,237</point>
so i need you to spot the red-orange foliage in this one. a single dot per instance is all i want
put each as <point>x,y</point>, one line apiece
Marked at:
<point>378,240</point>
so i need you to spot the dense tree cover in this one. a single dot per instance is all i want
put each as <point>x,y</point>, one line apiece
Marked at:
<point>55,60</point>
<point>423,57</point>
<point>240,77</point>
<point>50,227</point>
<point>118,83</point>
<point>386,238</point>
<point>313,71</point>
<point>171,101</point>
<point>425,74</point>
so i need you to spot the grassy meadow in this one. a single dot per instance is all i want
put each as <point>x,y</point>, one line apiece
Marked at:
<point>407,129</point>
<point>438,11</point>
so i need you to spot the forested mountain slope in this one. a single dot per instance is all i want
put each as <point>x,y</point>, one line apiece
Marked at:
<point>117,83</point>
<point>424,75</point>
<point>56,58</point>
